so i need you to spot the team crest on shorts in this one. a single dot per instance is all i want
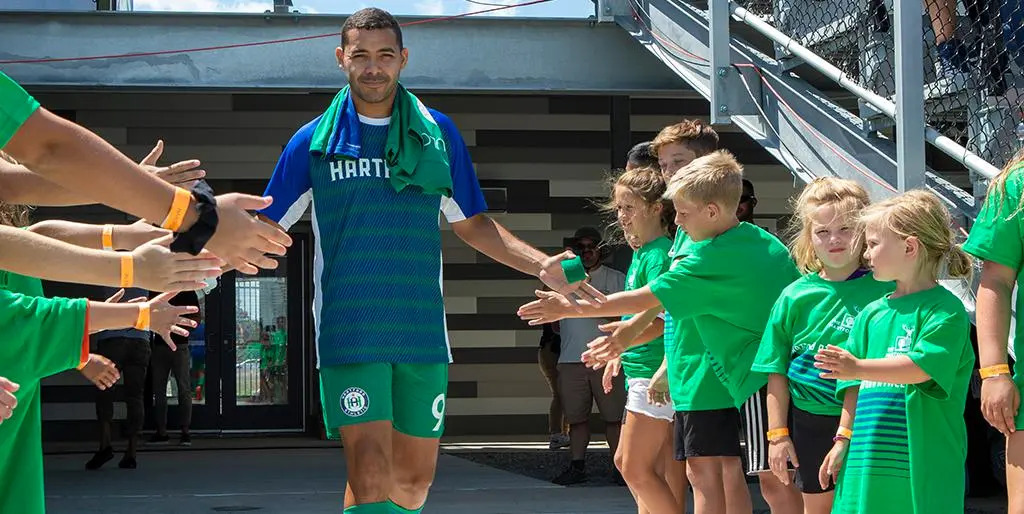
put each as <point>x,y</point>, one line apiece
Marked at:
<point>354,402</point>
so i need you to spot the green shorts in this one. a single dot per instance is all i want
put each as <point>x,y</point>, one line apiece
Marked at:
<point>411,396</point>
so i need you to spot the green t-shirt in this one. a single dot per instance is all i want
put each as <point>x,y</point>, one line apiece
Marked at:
<point>813,313</point>
<point>649,261</point>
<point>998,236</point>
<point>692,384</point>
<point>909,441</point>
<point>727,285</point>
<point>15,107</point>
<point>41,337</point>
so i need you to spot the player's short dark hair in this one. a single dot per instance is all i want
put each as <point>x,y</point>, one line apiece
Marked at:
<point>641,156</point>
<point>371,18</point>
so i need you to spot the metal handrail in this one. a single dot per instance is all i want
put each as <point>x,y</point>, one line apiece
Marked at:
<point>883,105</point>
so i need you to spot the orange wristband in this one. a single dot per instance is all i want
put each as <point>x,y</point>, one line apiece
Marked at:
<point>127,270</point>
<point>777,433</point>
<point>844,433</point>
<point>179,206</point>
<point>142,323</point>
<point>108,237</point>
<point>991,371</point>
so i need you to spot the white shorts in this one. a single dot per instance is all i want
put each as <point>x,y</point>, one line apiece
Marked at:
<point>636,401</point>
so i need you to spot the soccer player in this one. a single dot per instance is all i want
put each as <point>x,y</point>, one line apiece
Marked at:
<point>379,169</point>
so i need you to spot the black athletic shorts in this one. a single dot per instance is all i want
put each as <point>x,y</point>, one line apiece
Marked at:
<point>707,433</point>
<point>812,438</point>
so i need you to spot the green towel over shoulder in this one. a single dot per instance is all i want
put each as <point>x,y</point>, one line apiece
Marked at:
<point>416,151</point>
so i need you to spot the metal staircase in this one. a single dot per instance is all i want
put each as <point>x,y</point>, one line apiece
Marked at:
<point>842,88</point>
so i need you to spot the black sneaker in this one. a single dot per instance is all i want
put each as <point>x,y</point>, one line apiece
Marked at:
<point>158,439</point>
<point>570,476</point>
<point>128,463</point>
<point>100,458</point>
<point>186,439</point>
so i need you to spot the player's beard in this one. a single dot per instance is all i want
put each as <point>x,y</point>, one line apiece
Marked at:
<point>371,96</point>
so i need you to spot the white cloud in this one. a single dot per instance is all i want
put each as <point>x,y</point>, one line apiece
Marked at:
<point>429,7</point>
<point>211,6</point>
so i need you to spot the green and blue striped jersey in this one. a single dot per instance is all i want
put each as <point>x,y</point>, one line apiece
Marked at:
<point>377,255</point>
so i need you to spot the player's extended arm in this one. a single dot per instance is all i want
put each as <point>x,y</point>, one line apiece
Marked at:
<point>495,241</point>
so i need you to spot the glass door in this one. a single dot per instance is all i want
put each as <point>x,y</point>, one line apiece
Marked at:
<point>248,353</point>
<point>261,357</point>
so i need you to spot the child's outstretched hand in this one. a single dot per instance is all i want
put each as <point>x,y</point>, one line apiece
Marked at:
<point>157,268</point>
<point>829,470</point>
<point>838,363</point>
<point>549,307</point>
<point>166,319</point>
<point>101,371</point>
<point>610,372</point>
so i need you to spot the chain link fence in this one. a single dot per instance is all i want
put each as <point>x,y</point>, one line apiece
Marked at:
<point>973,60</point>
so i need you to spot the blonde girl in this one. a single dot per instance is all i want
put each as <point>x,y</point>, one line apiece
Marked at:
<point>813,312</point>
<point>997,238</point>
<point>908,361</point>
<point>644,455</point>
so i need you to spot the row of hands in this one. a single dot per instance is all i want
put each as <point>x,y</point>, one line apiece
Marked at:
<point>242,241</point>
<point>605,352</point>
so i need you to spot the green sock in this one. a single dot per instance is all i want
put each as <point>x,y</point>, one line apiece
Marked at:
<point>370,508</point>
<point>398,509</point>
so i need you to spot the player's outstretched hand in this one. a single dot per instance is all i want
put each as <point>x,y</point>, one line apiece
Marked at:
<point>101,371</point>
<point>166,319</point>
<point>548,308</point>
<point>159,269</point>
<point>554,277</point>
<point>243,240</point>
<point>7,399</point>
<point>183,174</point>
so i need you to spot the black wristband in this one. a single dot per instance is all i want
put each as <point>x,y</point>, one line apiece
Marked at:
<point>195,238</point>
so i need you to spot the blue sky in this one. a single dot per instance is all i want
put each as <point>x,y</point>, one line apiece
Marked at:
<point>555,8</point>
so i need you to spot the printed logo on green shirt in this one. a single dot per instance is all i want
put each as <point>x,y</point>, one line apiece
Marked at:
<point>902,345</point>
<point>843,322</point>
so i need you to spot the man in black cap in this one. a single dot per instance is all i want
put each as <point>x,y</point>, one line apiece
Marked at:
<point>579,386</point>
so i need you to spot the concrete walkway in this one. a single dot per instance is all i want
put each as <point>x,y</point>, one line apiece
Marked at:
<point>306,480</point>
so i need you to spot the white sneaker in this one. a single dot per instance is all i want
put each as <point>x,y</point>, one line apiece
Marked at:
<point>558,441</point>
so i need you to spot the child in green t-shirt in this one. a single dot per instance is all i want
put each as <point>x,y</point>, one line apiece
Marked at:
<point>813,312</point>
<point>644,456</point>
<point>909,362</point>
<point>46,336</point>
<point>997,238</point>
<point>711,283</point>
